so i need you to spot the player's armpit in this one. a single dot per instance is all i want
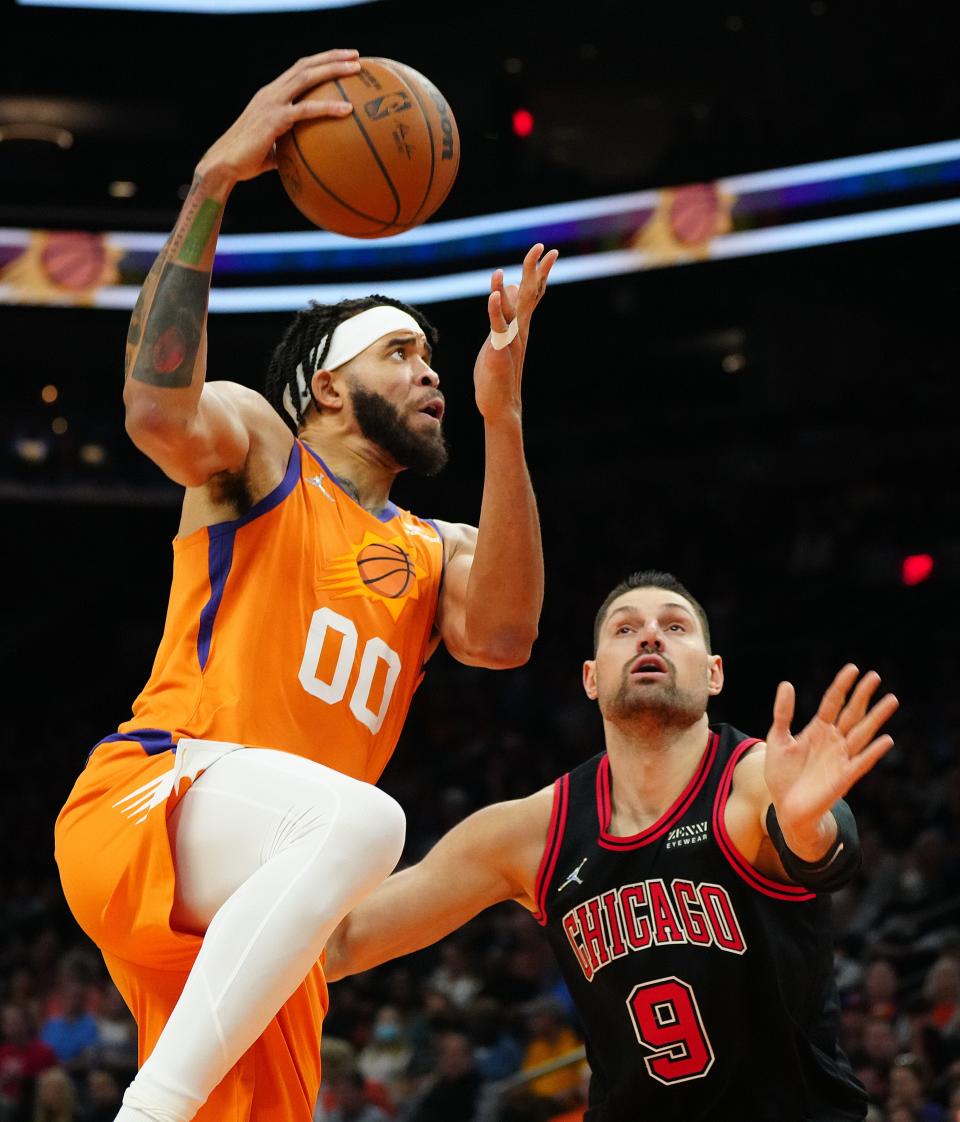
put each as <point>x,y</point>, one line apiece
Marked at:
<point>490,857</point>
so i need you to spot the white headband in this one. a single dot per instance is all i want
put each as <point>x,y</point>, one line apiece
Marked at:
<point>349,339</point>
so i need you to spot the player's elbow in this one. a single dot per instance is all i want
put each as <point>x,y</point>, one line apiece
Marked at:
<point>336,954</point>
<point>505,650</point>
<point>166,440</point>
<point>147,421</point>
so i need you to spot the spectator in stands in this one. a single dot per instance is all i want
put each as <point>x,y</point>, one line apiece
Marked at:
<point>496,1050</point>
<point>73,1033</point>
<point>338,1061</point>
<point>579,1106</point>
<point>116,1046</point>
<point>941,987</point>
<point>350,1102</point>
<point>387,1055</point>
<point>881,987</point>
<point>455,975</point>
<point>55,1099</point>
<point>104,1095</point>
<point>22,1058</point>
<point>453,1094</point>
<point>909,1088</point>
<point>549,1037</point>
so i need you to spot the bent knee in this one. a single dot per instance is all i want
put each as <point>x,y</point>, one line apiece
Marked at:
<point>377,821</point>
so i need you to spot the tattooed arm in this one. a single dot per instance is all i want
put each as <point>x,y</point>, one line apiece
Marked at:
<point>191,428</point>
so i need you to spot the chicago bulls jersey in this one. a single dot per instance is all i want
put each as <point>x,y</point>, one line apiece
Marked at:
<point>706,991</point>
<point>301,626</point>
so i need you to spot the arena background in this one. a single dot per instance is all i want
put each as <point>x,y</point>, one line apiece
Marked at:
<point>779,431</point>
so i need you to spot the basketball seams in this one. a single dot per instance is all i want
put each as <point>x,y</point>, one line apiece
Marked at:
<point>333,195</point>
<point>413,86</point>
<point>421,172</point>
<point>376,156</point>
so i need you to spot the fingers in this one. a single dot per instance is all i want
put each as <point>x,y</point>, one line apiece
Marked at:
<point>495,311</point>
<point>861,764</point>
<point>783,707</point>
<point>866,729</point>
<point>836,694</point>
<point>534,281</point>
<point>313,71</point>
<point>855,708</point>
<point>304,110</point>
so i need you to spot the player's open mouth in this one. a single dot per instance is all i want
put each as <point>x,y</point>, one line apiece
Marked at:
<point>649,664</point>
<point>434,409</point>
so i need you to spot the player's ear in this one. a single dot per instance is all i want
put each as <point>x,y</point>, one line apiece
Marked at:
<point>590,679</point>
<point>714,675</point>
<point>326,390</point>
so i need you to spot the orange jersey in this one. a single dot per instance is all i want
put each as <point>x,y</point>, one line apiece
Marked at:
<point>302,626</point>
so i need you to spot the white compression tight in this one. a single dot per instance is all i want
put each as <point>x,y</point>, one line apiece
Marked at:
<point>271,851</point>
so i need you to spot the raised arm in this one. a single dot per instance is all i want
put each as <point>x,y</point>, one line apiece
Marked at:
<point>493,583</point>
<point>491,856</point>
<point>194,430</point>
<point>786,813</point>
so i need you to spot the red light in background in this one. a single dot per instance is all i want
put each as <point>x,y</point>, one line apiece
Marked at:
<point>522,122</point>
<point>916,568</point>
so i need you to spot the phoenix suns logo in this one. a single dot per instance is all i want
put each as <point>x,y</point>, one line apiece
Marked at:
<point>382,570</point>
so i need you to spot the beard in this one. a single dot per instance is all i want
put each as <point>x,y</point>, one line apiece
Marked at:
<point>662,704</point>
<point>381,423</point>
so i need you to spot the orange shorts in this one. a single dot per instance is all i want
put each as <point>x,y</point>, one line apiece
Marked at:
<point>116,867</point>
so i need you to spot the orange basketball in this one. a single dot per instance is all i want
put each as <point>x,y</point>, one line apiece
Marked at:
<point>385,568</point>
<point>381,170</point>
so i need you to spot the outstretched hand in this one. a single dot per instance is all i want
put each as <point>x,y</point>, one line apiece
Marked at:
<point>807,773</point>
<point>246,149</point>
<point>497,373</point>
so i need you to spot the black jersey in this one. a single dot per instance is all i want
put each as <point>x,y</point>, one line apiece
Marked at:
<point>706,991</point>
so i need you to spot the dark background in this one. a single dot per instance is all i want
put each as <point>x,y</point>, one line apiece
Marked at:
<point>785,493</point>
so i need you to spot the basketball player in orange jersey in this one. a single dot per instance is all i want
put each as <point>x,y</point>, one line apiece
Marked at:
<point>682,877</point>
<point>212,844</point>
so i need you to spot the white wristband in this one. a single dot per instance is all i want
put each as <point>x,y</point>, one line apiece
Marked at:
<point>501,339</point>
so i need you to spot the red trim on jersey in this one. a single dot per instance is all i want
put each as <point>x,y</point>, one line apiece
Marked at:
<point>667,819</point>
<point>551,850</point>
<point>741,866</point>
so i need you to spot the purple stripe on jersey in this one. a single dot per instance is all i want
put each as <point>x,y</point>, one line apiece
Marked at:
<point>268,502</point>
<point>220,553</point>
<point>219,561</point>
<point>154,741</point>
<point>385,515</point>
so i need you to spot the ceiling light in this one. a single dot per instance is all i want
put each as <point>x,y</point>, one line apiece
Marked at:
<point>29,130</point>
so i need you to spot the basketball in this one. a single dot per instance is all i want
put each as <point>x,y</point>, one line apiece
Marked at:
<point>385,168</point>
<point>385,568</point>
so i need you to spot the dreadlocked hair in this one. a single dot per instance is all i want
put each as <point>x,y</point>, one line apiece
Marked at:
<point>305,333</point>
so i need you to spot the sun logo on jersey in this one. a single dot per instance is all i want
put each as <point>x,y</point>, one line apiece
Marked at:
<point>378,569</point>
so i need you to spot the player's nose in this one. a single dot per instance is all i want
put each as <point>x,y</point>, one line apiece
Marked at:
<point>428,376</point>
<point>650,635</point>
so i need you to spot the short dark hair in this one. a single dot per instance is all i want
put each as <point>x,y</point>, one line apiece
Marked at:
<point>308,328</point>
<point>650,578</point>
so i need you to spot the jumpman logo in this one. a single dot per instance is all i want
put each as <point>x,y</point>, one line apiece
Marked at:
<point>317,481</point>
<point>574,877</point>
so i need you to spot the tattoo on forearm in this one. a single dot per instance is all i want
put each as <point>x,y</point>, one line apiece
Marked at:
<point>197,222</point>
<point>198,235</point>
<point>135,330</point>
<point>166,327</point>
<point>174,328</point>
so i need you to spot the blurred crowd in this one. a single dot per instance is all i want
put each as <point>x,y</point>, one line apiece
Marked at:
<point>480,1028</point>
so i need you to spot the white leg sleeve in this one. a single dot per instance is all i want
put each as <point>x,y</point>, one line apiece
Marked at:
<point>271,851</point>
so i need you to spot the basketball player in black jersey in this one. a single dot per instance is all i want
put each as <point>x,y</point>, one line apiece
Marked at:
<point>682,877</point>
